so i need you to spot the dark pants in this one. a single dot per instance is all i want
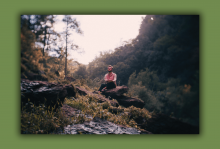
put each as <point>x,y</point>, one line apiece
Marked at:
<point>110,85</point>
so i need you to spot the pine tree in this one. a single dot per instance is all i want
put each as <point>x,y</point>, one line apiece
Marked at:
<point>71,24</point>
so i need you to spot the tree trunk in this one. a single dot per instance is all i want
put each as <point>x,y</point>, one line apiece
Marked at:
<point>66,51</point>
<point>45,31</point>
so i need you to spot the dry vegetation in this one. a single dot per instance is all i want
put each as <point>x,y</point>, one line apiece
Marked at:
<point>40,120</point>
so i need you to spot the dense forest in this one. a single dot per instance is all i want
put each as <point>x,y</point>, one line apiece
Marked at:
<point>160,66</point>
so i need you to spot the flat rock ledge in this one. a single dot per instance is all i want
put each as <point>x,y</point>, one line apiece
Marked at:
<point>99,126</point>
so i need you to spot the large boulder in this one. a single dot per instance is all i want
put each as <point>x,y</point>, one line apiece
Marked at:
<point>129,101</point>
<point>42,92</point>
<point>117,93</point>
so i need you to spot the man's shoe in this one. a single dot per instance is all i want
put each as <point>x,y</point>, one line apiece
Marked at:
<point>103,90</point>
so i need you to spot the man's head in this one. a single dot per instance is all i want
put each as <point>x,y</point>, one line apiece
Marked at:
<point>110,67</point>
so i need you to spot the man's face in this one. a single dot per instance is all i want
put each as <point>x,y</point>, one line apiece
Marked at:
<point>109,69</point>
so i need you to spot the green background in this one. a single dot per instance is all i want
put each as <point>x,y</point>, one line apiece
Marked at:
<point>10,136</point>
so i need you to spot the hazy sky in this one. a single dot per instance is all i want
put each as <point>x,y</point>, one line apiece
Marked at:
<point>101,33</point>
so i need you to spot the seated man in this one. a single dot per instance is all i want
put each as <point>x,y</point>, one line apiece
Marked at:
<point>110,79</point>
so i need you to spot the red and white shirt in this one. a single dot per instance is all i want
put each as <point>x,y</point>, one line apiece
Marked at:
<point>110,76</point>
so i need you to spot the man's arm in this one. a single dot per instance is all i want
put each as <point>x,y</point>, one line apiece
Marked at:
<point>115,78</point>
<point>105,78</point>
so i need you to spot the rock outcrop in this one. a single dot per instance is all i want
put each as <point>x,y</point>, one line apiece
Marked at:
<point>42,92</point>
<point>117,93</point>
<point>128,101</point>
